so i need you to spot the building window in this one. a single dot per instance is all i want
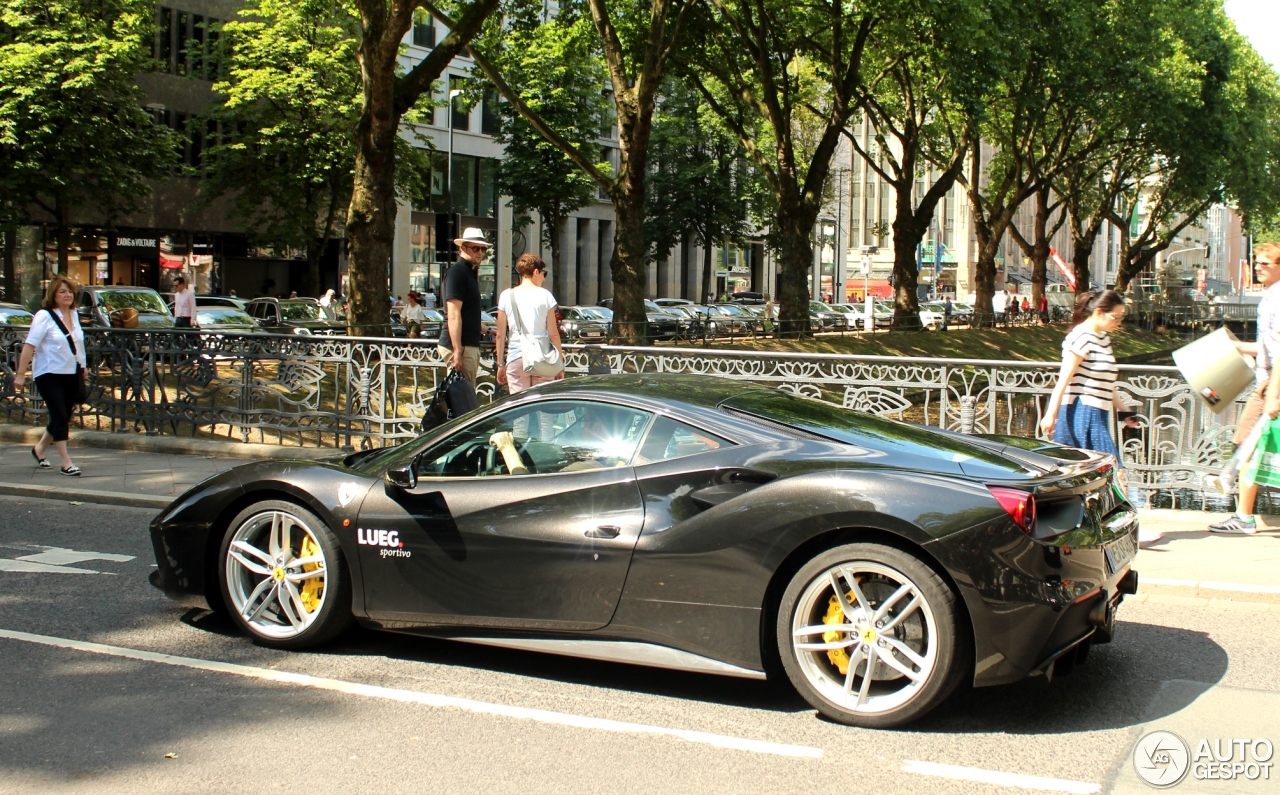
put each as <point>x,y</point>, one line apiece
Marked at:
<point>213,60</point>
<point>464,184</point>
<point>424,33</point>
<point>461,116</point>
<point>184,23</point>
<point>487,177</point>
<point>163,50</point>
<point>489,112</point>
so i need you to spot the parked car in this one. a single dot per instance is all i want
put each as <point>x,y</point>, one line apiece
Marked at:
<point>433,321</point>
<point>293,316</point>
<point>827,319</point>
<point>220,300</point>
<point>14,315</point>
<point>728,541</point>
<point>754,324</point>
<point>224,318</point>
<point>667,303</point>
<point>97,302</point>
<point>579,324</point>
<point>959,317</point>
<point>853,314</point>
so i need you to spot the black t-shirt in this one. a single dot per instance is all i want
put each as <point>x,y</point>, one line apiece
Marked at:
<point>460,284</point>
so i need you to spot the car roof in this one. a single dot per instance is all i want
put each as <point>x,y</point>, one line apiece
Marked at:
<point>661,390</point>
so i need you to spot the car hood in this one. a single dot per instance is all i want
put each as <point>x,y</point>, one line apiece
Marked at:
<point>314,324</point>
<point>153,320</point>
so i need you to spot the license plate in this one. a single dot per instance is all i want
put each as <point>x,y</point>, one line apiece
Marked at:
<point>1119,552</point>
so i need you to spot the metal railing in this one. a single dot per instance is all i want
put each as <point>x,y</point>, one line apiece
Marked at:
<point>349,392</point>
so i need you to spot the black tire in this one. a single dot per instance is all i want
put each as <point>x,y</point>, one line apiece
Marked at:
<point>815,673</point>
<point>333,615</point>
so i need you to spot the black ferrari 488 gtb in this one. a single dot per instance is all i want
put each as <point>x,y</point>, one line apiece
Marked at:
<point>684,522</point>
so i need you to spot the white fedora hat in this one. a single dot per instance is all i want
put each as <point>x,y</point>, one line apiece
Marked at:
<point>472,235</point>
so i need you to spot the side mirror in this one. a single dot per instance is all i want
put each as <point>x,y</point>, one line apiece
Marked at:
<point>403,477</point>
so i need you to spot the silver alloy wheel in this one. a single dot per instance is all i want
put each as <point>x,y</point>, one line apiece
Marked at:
<point>881,623</point>
<point>276,574</point>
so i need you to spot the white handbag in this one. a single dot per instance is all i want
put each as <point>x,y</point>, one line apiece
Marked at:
<point>537,354</point>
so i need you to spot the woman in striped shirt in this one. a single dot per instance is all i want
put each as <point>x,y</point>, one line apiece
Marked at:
<point>1079,411</point>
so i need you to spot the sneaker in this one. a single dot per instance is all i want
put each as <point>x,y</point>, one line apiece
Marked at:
<point>1235,526</point>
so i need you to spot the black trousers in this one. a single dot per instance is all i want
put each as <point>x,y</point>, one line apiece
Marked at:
<point>59,392</point>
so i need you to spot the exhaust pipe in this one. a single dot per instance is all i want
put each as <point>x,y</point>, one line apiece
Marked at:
<point>1128,584</point>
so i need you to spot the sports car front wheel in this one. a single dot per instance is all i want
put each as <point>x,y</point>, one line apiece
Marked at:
<point>284,577</point>
<point>868,635</point>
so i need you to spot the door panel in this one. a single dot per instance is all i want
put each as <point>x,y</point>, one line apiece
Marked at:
<point>538,551</point>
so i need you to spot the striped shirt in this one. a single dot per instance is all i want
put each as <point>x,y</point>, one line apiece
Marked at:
<point>1094,381</point>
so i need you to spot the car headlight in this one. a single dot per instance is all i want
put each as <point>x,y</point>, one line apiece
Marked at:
<point>301,330</point>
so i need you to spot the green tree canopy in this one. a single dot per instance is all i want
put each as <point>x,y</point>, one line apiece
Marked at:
<point>73,132</point>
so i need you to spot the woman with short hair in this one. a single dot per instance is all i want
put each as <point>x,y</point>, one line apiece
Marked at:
<point>536,307</point>
<point>56,344</point>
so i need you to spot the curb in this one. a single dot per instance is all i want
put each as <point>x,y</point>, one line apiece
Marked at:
<point>86,495</point>
<point>171,445</point>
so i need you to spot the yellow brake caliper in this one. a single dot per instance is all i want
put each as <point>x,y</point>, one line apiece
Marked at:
<point>835,615</point>
<point>313,588</point>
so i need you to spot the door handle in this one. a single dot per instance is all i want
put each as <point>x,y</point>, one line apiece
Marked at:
<point>604,531</point>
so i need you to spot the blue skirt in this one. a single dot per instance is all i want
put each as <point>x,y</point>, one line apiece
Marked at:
<point>1086,427</point>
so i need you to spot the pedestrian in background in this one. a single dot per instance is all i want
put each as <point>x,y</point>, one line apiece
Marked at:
<point>327,304</point>
<point>184,304</point>
<point>535,308</point>
<point>55,352</point>
<point>429,300</point>
<point>1044,308</point>
<point>412,316</point>
<point>460,336</point>
<point>946,312</point>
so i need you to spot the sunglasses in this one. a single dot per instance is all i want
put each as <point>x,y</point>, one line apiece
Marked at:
<point>469,247</point>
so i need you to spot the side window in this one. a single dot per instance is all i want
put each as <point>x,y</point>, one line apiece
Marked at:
<point>86,300</point>
<point>669,439</point>
<point>539,439</point>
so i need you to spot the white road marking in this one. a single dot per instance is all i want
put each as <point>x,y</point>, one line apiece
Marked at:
<point>1211,585</point>
<point>53,560</point>
<point>58,556</point>
<point>7,564</point>
<point>427,699</point>
<point>996,777</point>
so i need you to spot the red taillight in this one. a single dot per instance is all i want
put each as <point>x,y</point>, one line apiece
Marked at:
<point>1020,505</point>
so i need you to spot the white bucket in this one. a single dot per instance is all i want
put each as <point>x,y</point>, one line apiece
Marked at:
<point>1215,369</point>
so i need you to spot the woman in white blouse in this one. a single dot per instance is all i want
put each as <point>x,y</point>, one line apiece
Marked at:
<point>536,307</point>
<point>56,343</point>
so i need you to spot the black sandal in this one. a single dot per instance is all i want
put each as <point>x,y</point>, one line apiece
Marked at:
<point>73,471</point>
<point>40,462</point>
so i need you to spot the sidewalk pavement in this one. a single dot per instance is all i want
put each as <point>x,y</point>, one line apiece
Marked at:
<point>1188,565</point>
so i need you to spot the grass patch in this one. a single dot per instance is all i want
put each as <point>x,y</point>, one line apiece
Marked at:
<point>1030,343</point>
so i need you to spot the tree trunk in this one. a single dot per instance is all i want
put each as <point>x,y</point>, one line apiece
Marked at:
<point>795,259</point>
<point>908,232</point>
<point>630,277</point>
<point>1080,263</point>
<point>557,224</point>
<point>12,288</point>
<point>1040,249</point>
<point>371,219</point>
<point>706,269</point>
<point>315,250</point>
<point>63,232</point>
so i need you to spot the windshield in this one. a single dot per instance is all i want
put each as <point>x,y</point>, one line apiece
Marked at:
<point>142,301</point>
<point>597,312</point>
<point>299,310</point>
<point>14,317</point>
<point>217,316</point>
<point>818,306</point>
<point>730,309</point>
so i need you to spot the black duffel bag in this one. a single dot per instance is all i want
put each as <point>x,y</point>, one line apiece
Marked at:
<point>455,396</point>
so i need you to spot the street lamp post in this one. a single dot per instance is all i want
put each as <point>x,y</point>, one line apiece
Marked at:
<point>868,306</point>
<point>448,180</point>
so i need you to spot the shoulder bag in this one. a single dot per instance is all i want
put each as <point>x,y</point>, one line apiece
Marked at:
<point>81,394</point>
<point>537,354</point>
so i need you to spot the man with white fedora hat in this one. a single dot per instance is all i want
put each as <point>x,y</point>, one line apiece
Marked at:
<point>460,289</point>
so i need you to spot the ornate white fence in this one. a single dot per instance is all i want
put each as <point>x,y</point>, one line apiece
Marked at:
<point>348,392</point>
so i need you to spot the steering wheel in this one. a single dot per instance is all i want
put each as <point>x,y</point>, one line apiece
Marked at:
<point>490,460</point>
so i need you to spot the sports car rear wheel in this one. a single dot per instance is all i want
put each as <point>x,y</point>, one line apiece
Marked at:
<point>283,576</point>
<point>868,636</point>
